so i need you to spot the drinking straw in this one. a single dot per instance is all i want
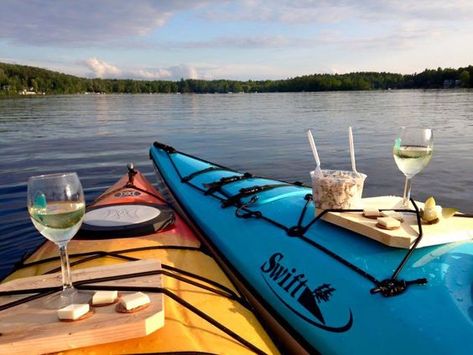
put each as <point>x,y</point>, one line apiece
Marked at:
<point>352,150</point>
<point>314,148</point>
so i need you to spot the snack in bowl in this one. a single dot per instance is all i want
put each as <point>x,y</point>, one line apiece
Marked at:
<point>337,189</point>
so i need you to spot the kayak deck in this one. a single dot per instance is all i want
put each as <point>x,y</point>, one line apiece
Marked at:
<point>185,329</point>
<point>204,312</point>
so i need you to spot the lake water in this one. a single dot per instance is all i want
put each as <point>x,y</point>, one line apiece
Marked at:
<point>97,135</point>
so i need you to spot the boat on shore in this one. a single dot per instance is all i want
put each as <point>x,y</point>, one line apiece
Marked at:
<point>203,310</point>
<point>334,288</point>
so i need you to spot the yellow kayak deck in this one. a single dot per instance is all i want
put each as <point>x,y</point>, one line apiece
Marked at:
<point>184,330</point>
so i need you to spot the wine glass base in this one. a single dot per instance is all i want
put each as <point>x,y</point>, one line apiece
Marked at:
<point>400,205</point>
<point>64,298</point>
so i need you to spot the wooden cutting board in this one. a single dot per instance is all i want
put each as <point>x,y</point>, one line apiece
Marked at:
<point>449,230</point>
<point>30,328</point>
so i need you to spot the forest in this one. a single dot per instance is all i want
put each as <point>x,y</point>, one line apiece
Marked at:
<point>26,80</point>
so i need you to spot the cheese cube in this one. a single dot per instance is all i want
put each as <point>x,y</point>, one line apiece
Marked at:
<point>134,300</point>
<point>388,222</point>
<point>370,212</point>
<point>73,311</point>
<point>104,297</point>
<point>393,214</point>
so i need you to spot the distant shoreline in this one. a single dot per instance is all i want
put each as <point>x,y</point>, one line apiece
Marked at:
<point>20,80</point>
<point>18,96</point>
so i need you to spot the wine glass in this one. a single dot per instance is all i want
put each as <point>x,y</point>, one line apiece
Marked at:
<point>412,152</point>
<point>56,207</point>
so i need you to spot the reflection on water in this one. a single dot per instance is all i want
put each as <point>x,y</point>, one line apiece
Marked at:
<point>96,135</point>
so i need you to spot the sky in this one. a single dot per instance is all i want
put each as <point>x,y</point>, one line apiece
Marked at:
<point>240,40</point>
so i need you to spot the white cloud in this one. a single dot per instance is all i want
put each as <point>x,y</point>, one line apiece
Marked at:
<point>205,71</point>
<point>101,69</point>
<point>152,74</point>
<point>170,73</point>
<point>373,25</point>
<point>239,71</point>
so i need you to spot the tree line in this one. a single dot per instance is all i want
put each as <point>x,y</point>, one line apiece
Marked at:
<point>20,79</point>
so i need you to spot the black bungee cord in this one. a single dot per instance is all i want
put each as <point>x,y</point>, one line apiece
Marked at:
<point>87,285</point>
<point>391,286</point>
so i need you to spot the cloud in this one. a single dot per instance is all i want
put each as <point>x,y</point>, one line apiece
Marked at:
<point>289,12</point>
<point>404,36</point>
<point>101,69</point>
<point>84,22</point>
<point>230,39</point>
<point>125,24</point>
<point>418,10</point>
<point>170,73</point>
<point>245,42</point>
<point>335,11</point>
<point>240,71</point>
<point>361,24</point>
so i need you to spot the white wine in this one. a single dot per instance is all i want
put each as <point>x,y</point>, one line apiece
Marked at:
<point>411,159</point>
<point>56,207</point>
<point>58,221</point>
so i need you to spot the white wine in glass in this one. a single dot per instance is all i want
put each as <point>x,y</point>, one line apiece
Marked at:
<point>56,206</point>
<point>412,152</point>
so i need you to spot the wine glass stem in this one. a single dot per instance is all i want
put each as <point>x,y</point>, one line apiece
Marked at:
<point>65,269</point>
<point>407,193</point>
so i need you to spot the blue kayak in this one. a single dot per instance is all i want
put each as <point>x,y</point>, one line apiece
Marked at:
<point>331,289</point>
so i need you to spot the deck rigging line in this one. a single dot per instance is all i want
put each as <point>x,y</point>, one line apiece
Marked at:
<point>92,255</point>
<point>391,286</point>
<point>217,185</point>
<point>170,272</point>
<point>100,253</point>
<point>200,172</point>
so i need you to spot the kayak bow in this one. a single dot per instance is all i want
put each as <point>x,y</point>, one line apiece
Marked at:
<point>204,311</point>
<point>332,289</point>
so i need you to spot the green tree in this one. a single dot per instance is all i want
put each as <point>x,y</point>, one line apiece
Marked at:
<point>3,77</point>
<point>464,78</point>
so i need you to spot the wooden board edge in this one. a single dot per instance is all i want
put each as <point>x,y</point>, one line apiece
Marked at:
<point>64,342</point>
<point>367,231</point>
